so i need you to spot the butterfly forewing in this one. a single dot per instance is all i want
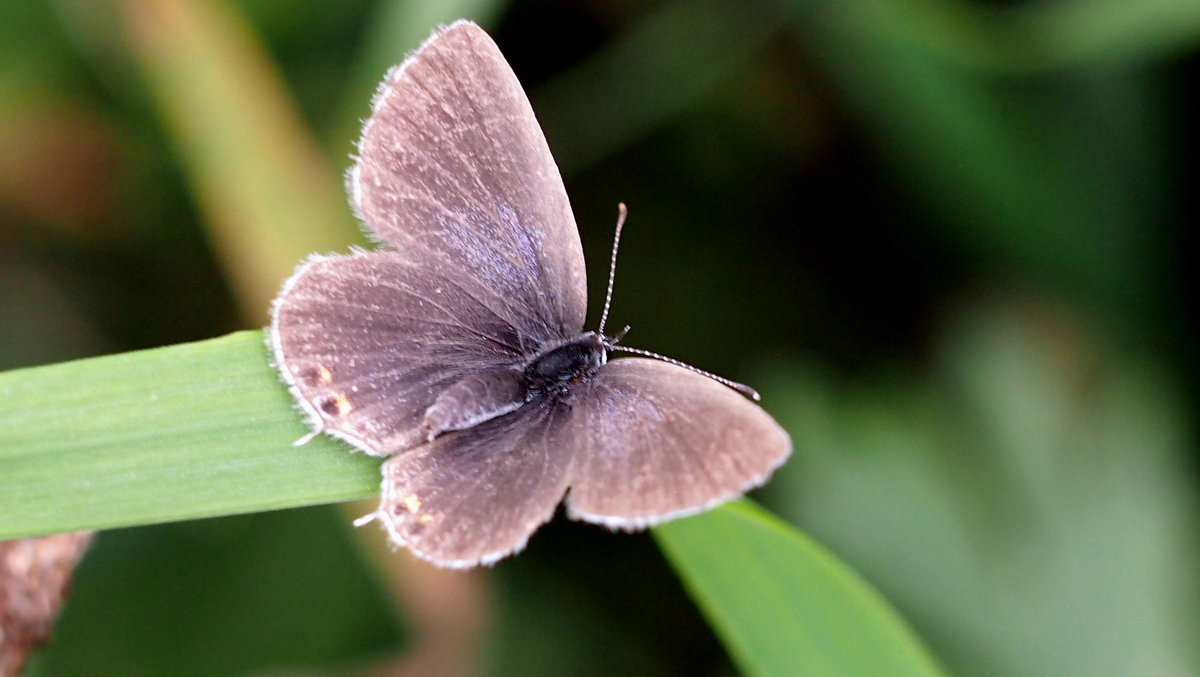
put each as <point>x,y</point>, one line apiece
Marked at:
<point>369,341</point>
<point>453,166</point>
<point>453,171</point>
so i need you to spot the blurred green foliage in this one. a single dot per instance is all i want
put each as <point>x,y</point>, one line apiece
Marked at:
<point>949,242</point>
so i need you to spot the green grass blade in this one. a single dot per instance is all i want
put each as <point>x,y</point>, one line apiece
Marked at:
<point>194,430</point>
<point>205,429</point>
<point>782,604</point>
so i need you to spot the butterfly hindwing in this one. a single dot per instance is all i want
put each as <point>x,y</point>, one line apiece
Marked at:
<point>657,441</point>
<point>641,442</point>
<point>473,496</point>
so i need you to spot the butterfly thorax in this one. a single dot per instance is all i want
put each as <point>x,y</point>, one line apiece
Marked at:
<point>487,394</point>
<point>568,362</point>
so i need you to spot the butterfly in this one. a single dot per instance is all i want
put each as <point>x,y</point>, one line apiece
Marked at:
<point>457,347</point>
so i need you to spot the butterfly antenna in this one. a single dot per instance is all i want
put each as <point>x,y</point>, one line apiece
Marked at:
<point>740,387</point>
<point>611,343</point>
<point>612,267</point>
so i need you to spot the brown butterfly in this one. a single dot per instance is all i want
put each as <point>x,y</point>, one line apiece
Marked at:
<point>457,348</point>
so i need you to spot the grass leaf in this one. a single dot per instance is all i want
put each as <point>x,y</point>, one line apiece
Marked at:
<point>782,604</point>
<point>193,430</point>
<point>268,196</point>
<point>205,429</point>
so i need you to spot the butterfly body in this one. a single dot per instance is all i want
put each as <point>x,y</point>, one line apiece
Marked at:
<point>554,370</point>
<point>457,351</point>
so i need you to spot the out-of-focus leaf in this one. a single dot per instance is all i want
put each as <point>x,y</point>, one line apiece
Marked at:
<point>1027,38</point>
<point>194,430</point>
<point>639,81</point>
<point>1029,509</point>
<point>783,604</point>
<point>269,197</point>
<point>398,27</point>
<point>1056,176</point>
<point>664,64</point>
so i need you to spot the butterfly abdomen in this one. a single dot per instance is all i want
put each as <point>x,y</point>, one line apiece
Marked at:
<point>473,400</point>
